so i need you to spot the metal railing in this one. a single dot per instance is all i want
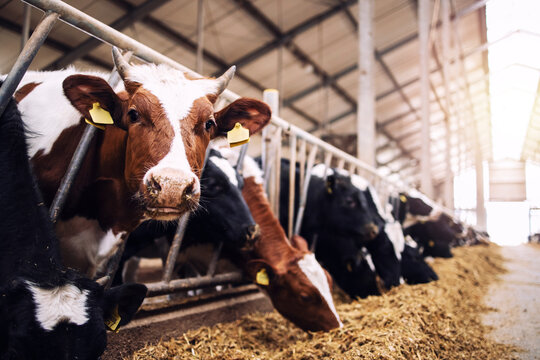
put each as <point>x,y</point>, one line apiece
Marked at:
<point>303,146</point>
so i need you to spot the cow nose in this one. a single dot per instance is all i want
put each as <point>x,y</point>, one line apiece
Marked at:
<point>172,187</point>
<point>371,231</point>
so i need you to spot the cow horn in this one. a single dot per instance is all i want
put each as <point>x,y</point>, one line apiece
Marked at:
<point>224,79</point>
<point>122,66</point>
<point>102,281</point>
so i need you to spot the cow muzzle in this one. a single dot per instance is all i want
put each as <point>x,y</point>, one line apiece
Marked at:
<point>371,231</point>
<point>169,193</point>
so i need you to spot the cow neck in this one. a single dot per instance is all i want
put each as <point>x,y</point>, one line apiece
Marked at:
<point>273,245</point>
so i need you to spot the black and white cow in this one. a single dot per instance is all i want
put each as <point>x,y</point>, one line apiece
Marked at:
<point>337,223</point>
<point>47,311</point>
<point>433,230</point>
<point>222,216</point>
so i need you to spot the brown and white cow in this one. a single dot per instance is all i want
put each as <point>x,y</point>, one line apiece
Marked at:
<point>146,166</point>
<point>299,288</point>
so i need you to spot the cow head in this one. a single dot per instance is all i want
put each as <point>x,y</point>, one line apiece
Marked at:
<point>300,289</point>
<point>413,266</point>
<point>342,206</point>
<point>169,119</point>
<point>223,213</point>
<point>62,321</point>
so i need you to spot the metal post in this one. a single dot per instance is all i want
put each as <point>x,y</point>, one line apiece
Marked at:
<point>25,34</point>
<point>215,257</point>
<point>305,188</point>
<point>365,138</point>
<point>25,58</point>
<point>481,218</point>
<point>292,179</point>
<point>200,36</point>
<point>449,181</point>
<point>302,160</point>
<point>175,247</point>
<point>423,37</point>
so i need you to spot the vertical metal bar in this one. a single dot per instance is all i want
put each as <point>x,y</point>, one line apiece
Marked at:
<point>200,36</point>
<point>215,257</point>
<point>72,171</point>
<point>448,184</point>
<point>352,168</point>
<point>327,161</point>
<point>305,188</point>
<point>25,34</point>
<point>365,138</point>
<point>175,247</point>
<point>341,164</point>
<point>423,37</point>
<point>292,180</point>
<point>25,58</point>
<point>302,162</point>
<point>277,172</point>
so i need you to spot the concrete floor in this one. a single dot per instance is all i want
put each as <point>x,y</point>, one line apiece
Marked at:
<point>517,298</point>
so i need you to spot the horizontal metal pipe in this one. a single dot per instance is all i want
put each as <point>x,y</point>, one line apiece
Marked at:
<point>160,288</point>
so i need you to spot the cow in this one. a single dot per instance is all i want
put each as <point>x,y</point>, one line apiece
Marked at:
<point>299,288</point>
<point>223,216</point>
<point>47,311</point>
<point>433,230</point>
<point>414,268</point>
<point>145,165</point>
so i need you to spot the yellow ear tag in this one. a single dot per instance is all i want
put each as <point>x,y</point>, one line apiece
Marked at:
<point>113,321</point>
<point>403,198</point>
<point>262,278</point>
<point>100,115</point>
<point>101,127</point>
<point>431,243</point>
<point>349,267</point>
<point>238,135</point>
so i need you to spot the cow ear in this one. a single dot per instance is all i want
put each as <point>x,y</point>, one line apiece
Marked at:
<point>121,303</point>
<point>251,113</point>
<point>83,91</point>
<point>300,243</point>
<point>260,272</point>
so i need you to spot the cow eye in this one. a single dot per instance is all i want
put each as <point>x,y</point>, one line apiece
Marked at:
<point>306,297</point>
<point>133,115</point>
<point>209,123</point>
<point>350,202</point>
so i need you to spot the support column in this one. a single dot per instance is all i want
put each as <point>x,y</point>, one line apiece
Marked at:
<point>481,216</point>
<point>426,184</point>
<point>200,37</point>
<point>366,89</point>
<point>449,182</point>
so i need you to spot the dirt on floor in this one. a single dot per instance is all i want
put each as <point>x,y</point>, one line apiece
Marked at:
<point>516,298</point>
<point>440,320</point>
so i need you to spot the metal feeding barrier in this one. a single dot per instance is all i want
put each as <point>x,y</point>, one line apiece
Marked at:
<point>302,146</point>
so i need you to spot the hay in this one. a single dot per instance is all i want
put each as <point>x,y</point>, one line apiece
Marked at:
<point>440,320</point>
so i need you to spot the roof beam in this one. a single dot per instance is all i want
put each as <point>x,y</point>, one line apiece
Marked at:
<point>92,43</point>
<point>55,44</point>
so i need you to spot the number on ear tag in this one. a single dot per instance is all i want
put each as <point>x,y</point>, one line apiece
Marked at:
<point>262,277</point>
<point>113,321</point>
<point>100,115</point>
<point>238,135</point>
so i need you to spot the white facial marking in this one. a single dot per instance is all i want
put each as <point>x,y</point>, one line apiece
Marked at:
<point>411,219</point>
<point>315,273</point>
<point>64,303</point>
<point>395,233</point>
<point>369,260</point>
<point>410,241</point>
<point>177,95</point>
<point>226,168</point>
<point>321,171</point>
<point>359,182</point>
<point>108,242</point>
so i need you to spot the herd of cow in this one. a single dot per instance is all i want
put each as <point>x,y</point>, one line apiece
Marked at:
<point>145,170</point>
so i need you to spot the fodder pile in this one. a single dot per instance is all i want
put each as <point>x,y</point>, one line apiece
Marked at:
<point>440,320</point>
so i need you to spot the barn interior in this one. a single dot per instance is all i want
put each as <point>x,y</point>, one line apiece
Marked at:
<point>442,96</point>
